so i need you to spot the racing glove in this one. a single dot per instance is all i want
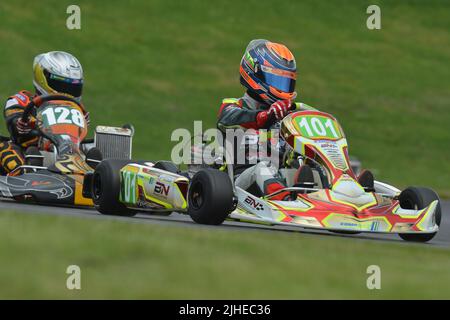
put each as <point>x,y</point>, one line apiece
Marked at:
<point>23,127</point>
<point>87,118</point>
<point>277,111</point>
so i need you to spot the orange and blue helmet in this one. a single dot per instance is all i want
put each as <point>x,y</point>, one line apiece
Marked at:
<point>268,70</point>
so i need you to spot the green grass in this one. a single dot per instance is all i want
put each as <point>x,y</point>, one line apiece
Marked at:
<point>162,64</point>
<point>128,260</point>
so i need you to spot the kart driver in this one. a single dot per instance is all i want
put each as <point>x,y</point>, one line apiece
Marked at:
<point>54,72</point>
<point>268,72</point>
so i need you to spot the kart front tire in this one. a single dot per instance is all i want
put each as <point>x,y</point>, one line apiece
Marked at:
<point>106,188</point>
<point>210,197</point>
<point>418,198</point>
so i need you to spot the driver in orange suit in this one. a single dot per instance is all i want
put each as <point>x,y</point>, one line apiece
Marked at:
<point>54,72</point>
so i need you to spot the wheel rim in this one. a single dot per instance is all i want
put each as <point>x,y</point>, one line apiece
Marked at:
<point>196,196</point>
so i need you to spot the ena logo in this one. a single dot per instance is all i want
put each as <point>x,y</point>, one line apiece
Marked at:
<point>253,203</point>
<point>161,188</point>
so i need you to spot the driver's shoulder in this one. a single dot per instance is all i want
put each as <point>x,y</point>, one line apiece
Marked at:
<point>229,102</point>
<point>232,101</point>
<point>21,98</point>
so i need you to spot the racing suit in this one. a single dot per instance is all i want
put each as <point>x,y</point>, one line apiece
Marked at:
<point>12,152</point>
<point>243,113</point>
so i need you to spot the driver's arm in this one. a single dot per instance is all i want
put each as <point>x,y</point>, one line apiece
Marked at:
<point>14,108</point>
<point>11,116</point>
<point>235,116</point>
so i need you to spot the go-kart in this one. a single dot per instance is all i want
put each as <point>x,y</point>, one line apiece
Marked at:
<point>332,198</point>
<point>126,187</point>
<point>54,170</point>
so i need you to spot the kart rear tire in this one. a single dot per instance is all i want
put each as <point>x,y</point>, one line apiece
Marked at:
<point>94,157</point>
<point>167,166</point>
<point>106,188</point>
<point>210,197</point>
<point>419,198</point>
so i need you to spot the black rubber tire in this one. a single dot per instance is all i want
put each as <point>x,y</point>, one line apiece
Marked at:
<point>106,188</point>
<point>167,166</point>
<point>210,197</point>
<point>419,198</point>
<point>93,154</point>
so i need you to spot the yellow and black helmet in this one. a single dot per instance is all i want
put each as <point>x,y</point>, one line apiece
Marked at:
<point>58,72</point>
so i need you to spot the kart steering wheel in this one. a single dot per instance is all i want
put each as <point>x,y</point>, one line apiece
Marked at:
<point>39,100</point>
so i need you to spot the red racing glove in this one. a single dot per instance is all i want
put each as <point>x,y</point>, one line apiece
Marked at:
<point>278,110</point>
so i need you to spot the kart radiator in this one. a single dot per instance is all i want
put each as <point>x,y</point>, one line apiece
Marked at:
<point>114,142</point>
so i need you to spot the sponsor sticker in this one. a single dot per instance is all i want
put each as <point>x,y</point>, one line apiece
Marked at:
<point>253,203</point>
<point>128,190</point>
<point>162,189</point>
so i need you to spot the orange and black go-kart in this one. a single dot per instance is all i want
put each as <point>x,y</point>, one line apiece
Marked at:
<point>53,172</point>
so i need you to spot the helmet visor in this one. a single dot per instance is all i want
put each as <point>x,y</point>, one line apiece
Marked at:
<point>280,79</point>
<point>60,84</point>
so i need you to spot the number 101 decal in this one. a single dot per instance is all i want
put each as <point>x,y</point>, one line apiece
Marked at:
<point>318,127</point>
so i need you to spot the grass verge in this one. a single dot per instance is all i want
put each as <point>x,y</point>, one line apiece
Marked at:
<point>128,260</point>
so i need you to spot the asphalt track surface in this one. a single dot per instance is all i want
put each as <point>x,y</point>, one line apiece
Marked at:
<point>181,220</point>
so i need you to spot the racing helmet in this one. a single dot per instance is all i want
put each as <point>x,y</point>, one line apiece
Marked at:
<point>58,72</point>
<point>269,72</point>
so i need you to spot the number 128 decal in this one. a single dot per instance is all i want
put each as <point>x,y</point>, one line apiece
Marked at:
<point>63,115</point>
